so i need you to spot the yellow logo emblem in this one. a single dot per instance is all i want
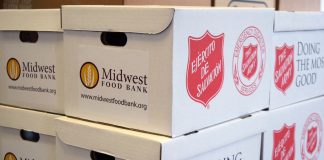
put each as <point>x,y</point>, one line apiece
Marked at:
<point>10,156</point>
<point>13,69</point>
<point>89,75</point>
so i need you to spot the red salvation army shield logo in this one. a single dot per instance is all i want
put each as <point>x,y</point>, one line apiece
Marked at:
<point>284,67</point>
<point>205,68</point>
<point>311,139</point>
<point>284,143</point>
<point>250,60</point>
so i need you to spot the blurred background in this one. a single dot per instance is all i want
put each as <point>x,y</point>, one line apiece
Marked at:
<point>288,5</point>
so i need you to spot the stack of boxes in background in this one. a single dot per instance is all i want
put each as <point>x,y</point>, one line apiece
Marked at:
<point>295,131</point>
<point>284,5</point>
<point>161,83</point>
<point>31,44</point>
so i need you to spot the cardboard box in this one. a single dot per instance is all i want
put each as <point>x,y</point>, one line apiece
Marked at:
<point>295,132</point>
<point>76,139</point>
<point>246,3</point>
<point>169,2</point>
<point>26,134</point>
<point>166,70</point>
<point>298,60</point>
<point>299,5</point>
<point>31,59</point>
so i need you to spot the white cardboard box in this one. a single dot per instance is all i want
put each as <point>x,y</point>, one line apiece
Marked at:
<point>30,61</point>
<point>234,140</point>
<point>180,69</point>
<point>295,132</point>
<point>36,127</point>
<point>298,59</point>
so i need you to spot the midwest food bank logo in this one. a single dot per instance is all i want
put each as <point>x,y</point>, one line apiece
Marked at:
<point>13,69</point>
<point>92,77</point>
<point>10,156</point>
<point>30,70</point>
<point>249,61</point>
<point>205,68</point>
<point>89,75</point>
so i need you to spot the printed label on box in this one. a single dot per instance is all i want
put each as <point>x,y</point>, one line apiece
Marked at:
<point>205,68</point>
<point>284,67</point>
<point>308,60</point>
<point>284,143</point>
<point>107,83</point>
<point>311,138</point>
<point>249,61</point>
<point>10,156</point>
<point>31,74</point>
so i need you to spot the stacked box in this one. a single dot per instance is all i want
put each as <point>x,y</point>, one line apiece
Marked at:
<point>298,60</point>
<point>296,132</point>
<point>82,140</point>
<point>295,116</point>
<point>166,70</point>
<point>31,59</point>
<point>26,134</point>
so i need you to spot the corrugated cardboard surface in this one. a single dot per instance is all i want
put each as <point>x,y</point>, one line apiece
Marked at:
<point>170,2</point>
<point>299,5</point>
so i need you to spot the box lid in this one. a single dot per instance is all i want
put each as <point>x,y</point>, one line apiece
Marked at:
<point>298,21</point>
<point>30,20</point>
<point>214,137</point>
<point>148,19</point>
<point>124,143</point>
<point>17,118</point>
<point>128,144</point>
